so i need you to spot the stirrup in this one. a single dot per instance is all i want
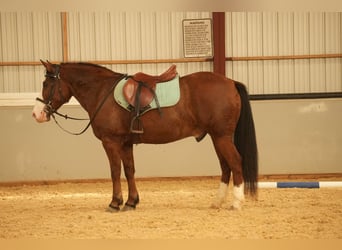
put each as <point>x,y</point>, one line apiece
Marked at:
<point>136,125</point>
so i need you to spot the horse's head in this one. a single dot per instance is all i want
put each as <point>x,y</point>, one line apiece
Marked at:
<point>55,93</point>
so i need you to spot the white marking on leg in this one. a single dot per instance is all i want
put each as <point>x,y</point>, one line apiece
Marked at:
<point>221,195</point>
<point>238,196</point>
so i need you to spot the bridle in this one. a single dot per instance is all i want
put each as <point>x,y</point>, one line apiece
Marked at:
<point>51,111</point>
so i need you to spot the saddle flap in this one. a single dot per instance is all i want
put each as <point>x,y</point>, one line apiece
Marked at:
<point>130,92</point>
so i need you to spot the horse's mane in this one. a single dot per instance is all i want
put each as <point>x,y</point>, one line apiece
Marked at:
<point>91,67</point>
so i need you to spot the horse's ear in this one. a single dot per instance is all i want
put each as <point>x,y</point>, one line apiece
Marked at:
<point>44,63</point>
<point>47,65</point>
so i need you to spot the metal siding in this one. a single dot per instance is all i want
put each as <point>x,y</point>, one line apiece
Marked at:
<point>118,40</point>
<point>25,40</point>
<point>102,35</point>
<point>177,40</point>
<point>87,36</point>
<point>54,31</point>
<point>30,36</point>
<point>333,44</point>
<point>74,36</point>
<point>148,41</point>
<point>9,36</point>
<point>255,48</point>
<point>270,47</point>
<point>47,40</point>
<point>239,46</point>
<point>301,47</point>
<point>317,46</point>
<point>163,36</point>
<point>133,34</point>
<point>285,39</point>
<point>176,34</point>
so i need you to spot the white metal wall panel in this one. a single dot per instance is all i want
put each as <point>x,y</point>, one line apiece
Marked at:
<point>270,47</point>
<point>102,35</point>
<point>87,36</point>
<point>177,40</point>
<point>164,38</point>
<point>301,47</point>
<point>176,34</point>
<point>74,36</point>
<point>30,36</point>
<point>131,36</point>
<point>47,42</point>
<point>25,36</point>
<point>9,51</point>
<point>317,46</point>
<point>25,40</point>
<point>285,34</point>
<point>118,40</point>
<point>255,48</point>
<point>286,47</point>
<point>239,46</point>
<point>133,40</point>
<point>333,44</point>
<point>148,40</point>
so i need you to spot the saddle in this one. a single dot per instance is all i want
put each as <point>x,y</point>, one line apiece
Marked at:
<point>139,92</point>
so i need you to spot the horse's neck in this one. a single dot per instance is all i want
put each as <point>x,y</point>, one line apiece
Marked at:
<point>90,93</point>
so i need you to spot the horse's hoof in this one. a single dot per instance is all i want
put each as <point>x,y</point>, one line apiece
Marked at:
<point>235,208</point>
<point>113,209</point>
<point>215,206</point>
<point>128,207</point>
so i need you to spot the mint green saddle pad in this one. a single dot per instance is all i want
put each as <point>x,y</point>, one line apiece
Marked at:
<point>168,94</point>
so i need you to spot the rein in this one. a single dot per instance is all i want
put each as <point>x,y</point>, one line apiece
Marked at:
<point>94,115</point>
<point>52,111</point>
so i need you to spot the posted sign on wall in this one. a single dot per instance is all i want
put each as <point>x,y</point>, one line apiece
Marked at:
<point>197,38</point>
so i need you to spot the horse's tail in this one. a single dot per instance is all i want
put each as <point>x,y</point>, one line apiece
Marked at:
<point>245,142</point>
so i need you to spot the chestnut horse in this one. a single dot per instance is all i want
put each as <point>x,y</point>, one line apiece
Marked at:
<point>209,104</point>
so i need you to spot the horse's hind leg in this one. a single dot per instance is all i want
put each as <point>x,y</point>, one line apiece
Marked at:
<point>223,188</point>
<point>230,160</point>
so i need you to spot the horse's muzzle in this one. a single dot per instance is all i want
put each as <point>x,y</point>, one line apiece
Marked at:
<point>41,112</point>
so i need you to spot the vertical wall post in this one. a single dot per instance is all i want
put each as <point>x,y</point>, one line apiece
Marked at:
<point>219,42</point>
<point>65,36</point>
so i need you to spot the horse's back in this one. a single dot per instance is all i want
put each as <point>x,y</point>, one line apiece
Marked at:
<point>209,88</point>
<point>202,81</point>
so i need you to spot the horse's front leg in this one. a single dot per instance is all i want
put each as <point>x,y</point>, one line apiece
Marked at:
<point>113,152</point>
<point>128,164</point>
